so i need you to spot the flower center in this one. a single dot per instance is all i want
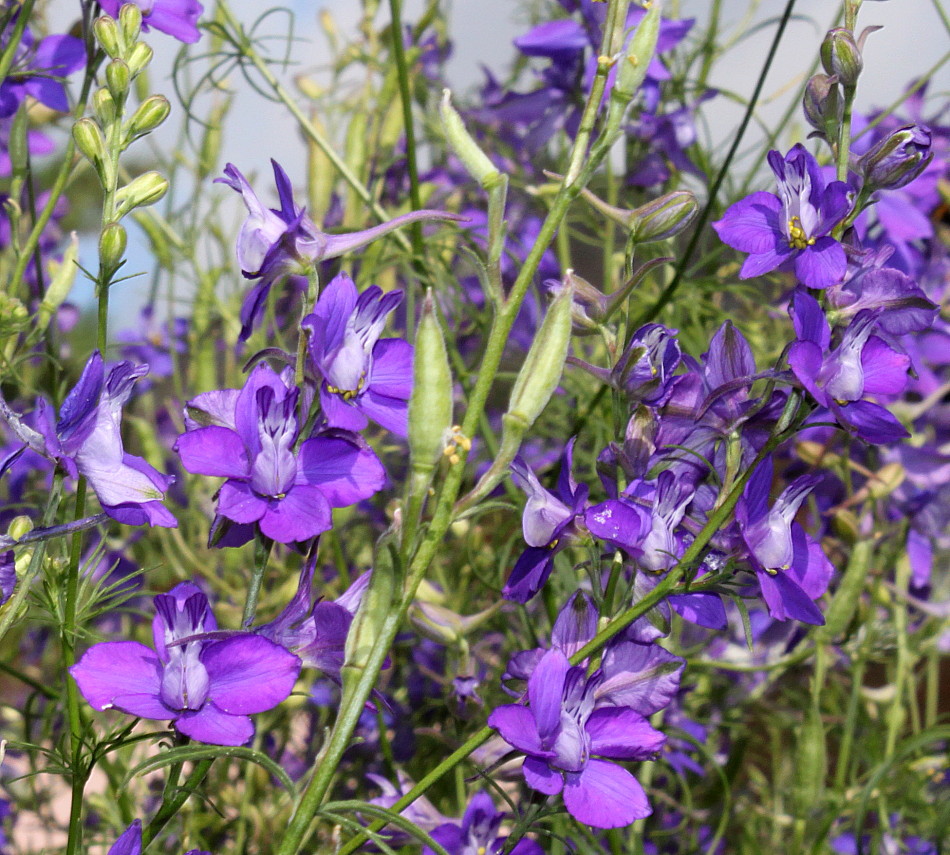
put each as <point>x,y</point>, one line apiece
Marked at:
<point>797,239</point>
<point>348,394</point>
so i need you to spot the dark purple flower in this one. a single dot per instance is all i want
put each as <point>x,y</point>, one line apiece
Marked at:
<point>130,842</point>
<point>249,436</point>
<point>7,575</point>
<point>277,243</point>
<point>791,567</point>
<point>207,688</point>
<point>477,834</point>
<point>177,18</point>
<point>548,523</point>
<point>361,375</point>
<point>87,440</point>
<point>38,69</point>
<point>563,736</point>
<point>791,230</point>
<point>898,158</point>
<point>862,364</point>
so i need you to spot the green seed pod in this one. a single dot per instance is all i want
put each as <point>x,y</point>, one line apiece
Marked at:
<point>118,79</point>
<point>633,67</point>
<point>130,23</point>
<point>664,217</point>
<point>811,766</point>
<point>375,607</point>
<point>845,601</point>
<point>541,371</point>
<point>476,162</point>
<point>17,146</point>
<point>112,243</point>
<point>430,406</point>
<point>139,58</point>
<point>150,114</point>
<point>104,106</point>
<point>63,275</point>
<point>107,34</point>
<point>144,190</point>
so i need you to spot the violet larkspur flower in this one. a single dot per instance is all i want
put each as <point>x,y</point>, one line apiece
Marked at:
<point>277,243</point>
<point>130,842</point>
<point>87,440</point>
<point>791,230</point>
<point>477,834</point>
<point>206,687</point>
<point>249,436</point>
<point>563,736</point>
<point>176,18</point>
<point>361,375</point>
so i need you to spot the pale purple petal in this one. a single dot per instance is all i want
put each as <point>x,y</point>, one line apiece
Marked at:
<point>821,265</point>
<point>215,451</point>
<point>885,370</point>
<point>345,470</point>
<point>517,727</point>
<point>238,502</point>
<point>605,795</point>
<point>765,262</point>
<point>249,674</point>
<point>216,727</point>
<point>126,671</point>
<point>752,224</point>
<point>546,690</point>
<point>622,734</point>
<point>301,514</point>
<point>643,677</point>
<point>541,777</point>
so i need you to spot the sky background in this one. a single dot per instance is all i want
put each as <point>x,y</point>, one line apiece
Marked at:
<point>913,39</point>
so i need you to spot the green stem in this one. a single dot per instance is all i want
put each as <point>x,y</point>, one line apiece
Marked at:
<point>174,802</point>
<point>9,51</point>
<point>668,293</point>
<point>262,550</point>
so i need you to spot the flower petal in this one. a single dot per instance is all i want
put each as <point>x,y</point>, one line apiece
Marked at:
<point>541,777</point>
<point>546,692</point>
<point>605,795</point>
<point>249,674</point>
<point>238,502</point>
<point>122,674</point>
<point>821,265</point>
<point>344,469</point>
<point>752,224</point>
<point>216,727</point>
<point>303,513</point>
<point>623,734</point>
<point>517,727</point>
<point>215,451</point>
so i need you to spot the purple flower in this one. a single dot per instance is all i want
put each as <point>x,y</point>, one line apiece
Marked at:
<point>548,523</point>
<point>38,69</point>
<point>361,375</point>
<point>862,364</point>
<point>177,18</point>
<point>564,736</point>
<point>249,436</point>
<point>87,440</point>
<point>276,243</point>
<point>7,575</point>
<point>130,842</point>
<point>790,231</point>
<point>791,567</point>
<point>477,834</point>
<point>205,687</point>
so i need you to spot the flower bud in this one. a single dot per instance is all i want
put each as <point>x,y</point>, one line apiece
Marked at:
<point>142,191</point>
<point>130,22</point>
<point>823,105</point>
<point>476,162</point>
<point>841,56</point>
<point>19,526</point>
<point>430,405</point>
<point>17,146</point>
<point>150,114</point>
<point>541,371</point>
<point>112,244</point>
<point>139,58</point>
<point>589,307</point>
<point>107,34</point>
<point>118,79</point>
<point>14,317</point>
<point>90,142</point>
<point>811,763</point>
<point>437,623</point>
<point>664,217</point>
<point>897,159</point>
<point>104,106</point>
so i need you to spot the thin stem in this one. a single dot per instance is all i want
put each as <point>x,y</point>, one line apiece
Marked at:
<point>668,293</point>
<point>174,802</point>
<point>262,549</point>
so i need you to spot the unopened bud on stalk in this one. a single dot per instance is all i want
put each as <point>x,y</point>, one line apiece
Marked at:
<point>430,406</point>
<point>139,58</point>
<point>107,34</point>
<point>130,22</point>
<point>19,526</point>
<point>17,145</point>
<point>840,56</point>
<point>142,191</point>
<point>90,142</point>
<point>657,220</point>
<point>589,307</point>
<point>541,371</point>
<point>476,162</point>
<point>112,244</point>
<point>118,79</point>
<point>897,159</point>
<point>104,106</point>
<point>150,114</point>
<point>823,105</point>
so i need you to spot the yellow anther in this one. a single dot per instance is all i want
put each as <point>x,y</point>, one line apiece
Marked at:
<point>797,238</point>
<point>454,458</point>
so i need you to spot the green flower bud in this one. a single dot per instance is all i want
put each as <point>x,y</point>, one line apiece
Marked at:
<point>430,406</point>
<point>130,22</point>
<point>107,34</point>
<point>112,243</point>
<point>19,526</point>
<point>104,106</point>
<point>139,58</point>
<point>150,114</point>
<point>118,79</point>
<point>823,105</point>
<point>17,146</point>
<point>541,371</point>
<point>90,142</point>
<point>476,162</point>
<point>841,56</point>
<point>664,217</point>
<point>62,277</point>
<point>14,317</point>
<point>142,191</point>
